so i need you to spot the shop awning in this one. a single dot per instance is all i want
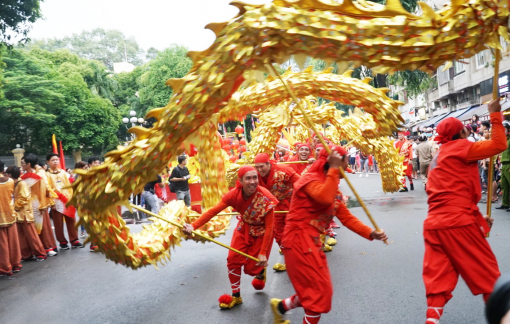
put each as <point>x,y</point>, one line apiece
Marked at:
<point>480,111</point>
<point>432,121</point>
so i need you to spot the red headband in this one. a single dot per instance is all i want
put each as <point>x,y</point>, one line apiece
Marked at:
<point>448,128</point>
<point>262,158</point>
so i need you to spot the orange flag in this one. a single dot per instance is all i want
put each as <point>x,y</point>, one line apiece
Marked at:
<point>54,144</point>
<point>62,157</point>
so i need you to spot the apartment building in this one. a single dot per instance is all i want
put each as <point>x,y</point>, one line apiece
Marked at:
<point>460,91</point>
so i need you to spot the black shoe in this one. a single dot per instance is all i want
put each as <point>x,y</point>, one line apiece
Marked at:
<point>502,207</point>
<point>412,186</point>
<point>64,246</point>
<point>77,244</point>
<point>403,190</point>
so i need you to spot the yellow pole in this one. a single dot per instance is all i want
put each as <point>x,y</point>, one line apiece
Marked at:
<point>495,95</point>
<point>195,233</point>
<point>326,147</point>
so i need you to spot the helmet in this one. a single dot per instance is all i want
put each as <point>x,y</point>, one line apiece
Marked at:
<point>506,124</point>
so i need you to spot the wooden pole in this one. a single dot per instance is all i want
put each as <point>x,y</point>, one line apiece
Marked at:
<point>194,232</point>
<point>326,147</point>
<point>495,95</point>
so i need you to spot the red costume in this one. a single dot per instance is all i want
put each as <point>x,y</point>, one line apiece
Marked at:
<point>454,230</point>
<point>279,181</point>
<point>316,200</point>
<point>405,149</point>
<point>254,231</point>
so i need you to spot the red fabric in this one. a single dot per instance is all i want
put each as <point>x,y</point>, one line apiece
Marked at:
<point>307,268</point>
<point>447,128</point>
<point>29,241</point>
<point>453,188</point>
<point>58,223</point>
<point>47,237</point>
<point>299,168</point>
<point>234,198</point>
<point>262,158</point>
<point>457,251</point>
<point>316,171</point>
<point>279,182</point>
<point>234,276</point>
<point>69,211</point>
<point>10,255</point>
<point>251,245</point>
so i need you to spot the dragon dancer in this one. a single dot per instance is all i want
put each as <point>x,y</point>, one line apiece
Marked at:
<point>405,150</point>
<point>253,234</point>
<point>316,200</point>
<point>279,180</point>
<point>455,230</point>
<point>304,153</point>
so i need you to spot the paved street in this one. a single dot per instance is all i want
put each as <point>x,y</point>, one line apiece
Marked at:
<point>373,283</point>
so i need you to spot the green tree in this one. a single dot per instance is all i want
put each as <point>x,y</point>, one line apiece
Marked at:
<point>15,19</point>
<point>173,62</point>
<point>45,94</point>
<point>106,46</point>
<point>101,82</point>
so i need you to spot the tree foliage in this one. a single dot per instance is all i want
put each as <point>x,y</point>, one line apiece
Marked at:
<point>173,62</point>
<point>46,93</point>
<point>106,46</point>
<point>15,19</point>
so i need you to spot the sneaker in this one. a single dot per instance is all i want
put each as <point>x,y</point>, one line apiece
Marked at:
<point>51,253</point>
<point>412,186</point>
<point>360,175</point>
<point>16,269</point>
<point>77,244</point>
<point>404,189</point>
<point>40,258</point>
<point>93,248</point>
<point>502,207</point>
<point>367,175</point>
<point>64,246</point>
<point>83,234</point>
<point>330,232</point>
<point>5,274</point>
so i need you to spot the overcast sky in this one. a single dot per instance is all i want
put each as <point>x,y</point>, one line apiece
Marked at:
<point>156,23</point>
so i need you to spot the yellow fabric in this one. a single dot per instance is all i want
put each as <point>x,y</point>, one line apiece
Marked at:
<point>7,215</point>
<point>23,203</point>
<point>59,181</point>
<point>41,191</point>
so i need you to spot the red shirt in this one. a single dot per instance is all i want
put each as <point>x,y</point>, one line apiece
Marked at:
<point>259,219</point>
<point>453,182</point>
<point>280,182</point>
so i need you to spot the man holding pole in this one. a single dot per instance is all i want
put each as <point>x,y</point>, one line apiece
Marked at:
<point>253,234</point>
<point>405,149</point>
<point>279,180</point>
<point>316,200</point>
<point>455,230</point>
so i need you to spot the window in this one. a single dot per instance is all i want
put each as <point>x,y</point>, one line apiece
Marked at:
<point>482,59</point>
<point>443,76</point>
<point>459,67</point>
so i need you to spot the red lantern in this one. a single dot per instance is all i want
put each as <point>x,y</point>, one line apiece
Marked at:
<point>239,129</point>
<point>242,148</point>
<point>226,147</point>
<point>232,159</point>
<point>242,141</point>
<point>226,141</point>
<point>235,145</point>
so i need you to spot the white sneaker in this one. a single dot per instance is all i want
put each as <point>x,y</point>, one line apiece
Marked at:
<point>360,175</point>
<point>367,175</point>
<point>51,253</point>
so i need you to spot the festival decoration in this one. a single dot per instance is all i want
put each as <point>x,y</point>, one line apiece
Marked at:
<point>385,38</point>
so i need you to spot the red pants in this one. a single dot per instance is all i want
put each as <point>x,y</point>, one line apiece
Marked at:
<point>29,242</point>
<point>408,172</point>
<point>457,251</point>
<point>46,236</point>
<point>10,255</point>
<point>279,220</point>
<point>250,245</point>
<point>307,268</point>
<point>58,222</point>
